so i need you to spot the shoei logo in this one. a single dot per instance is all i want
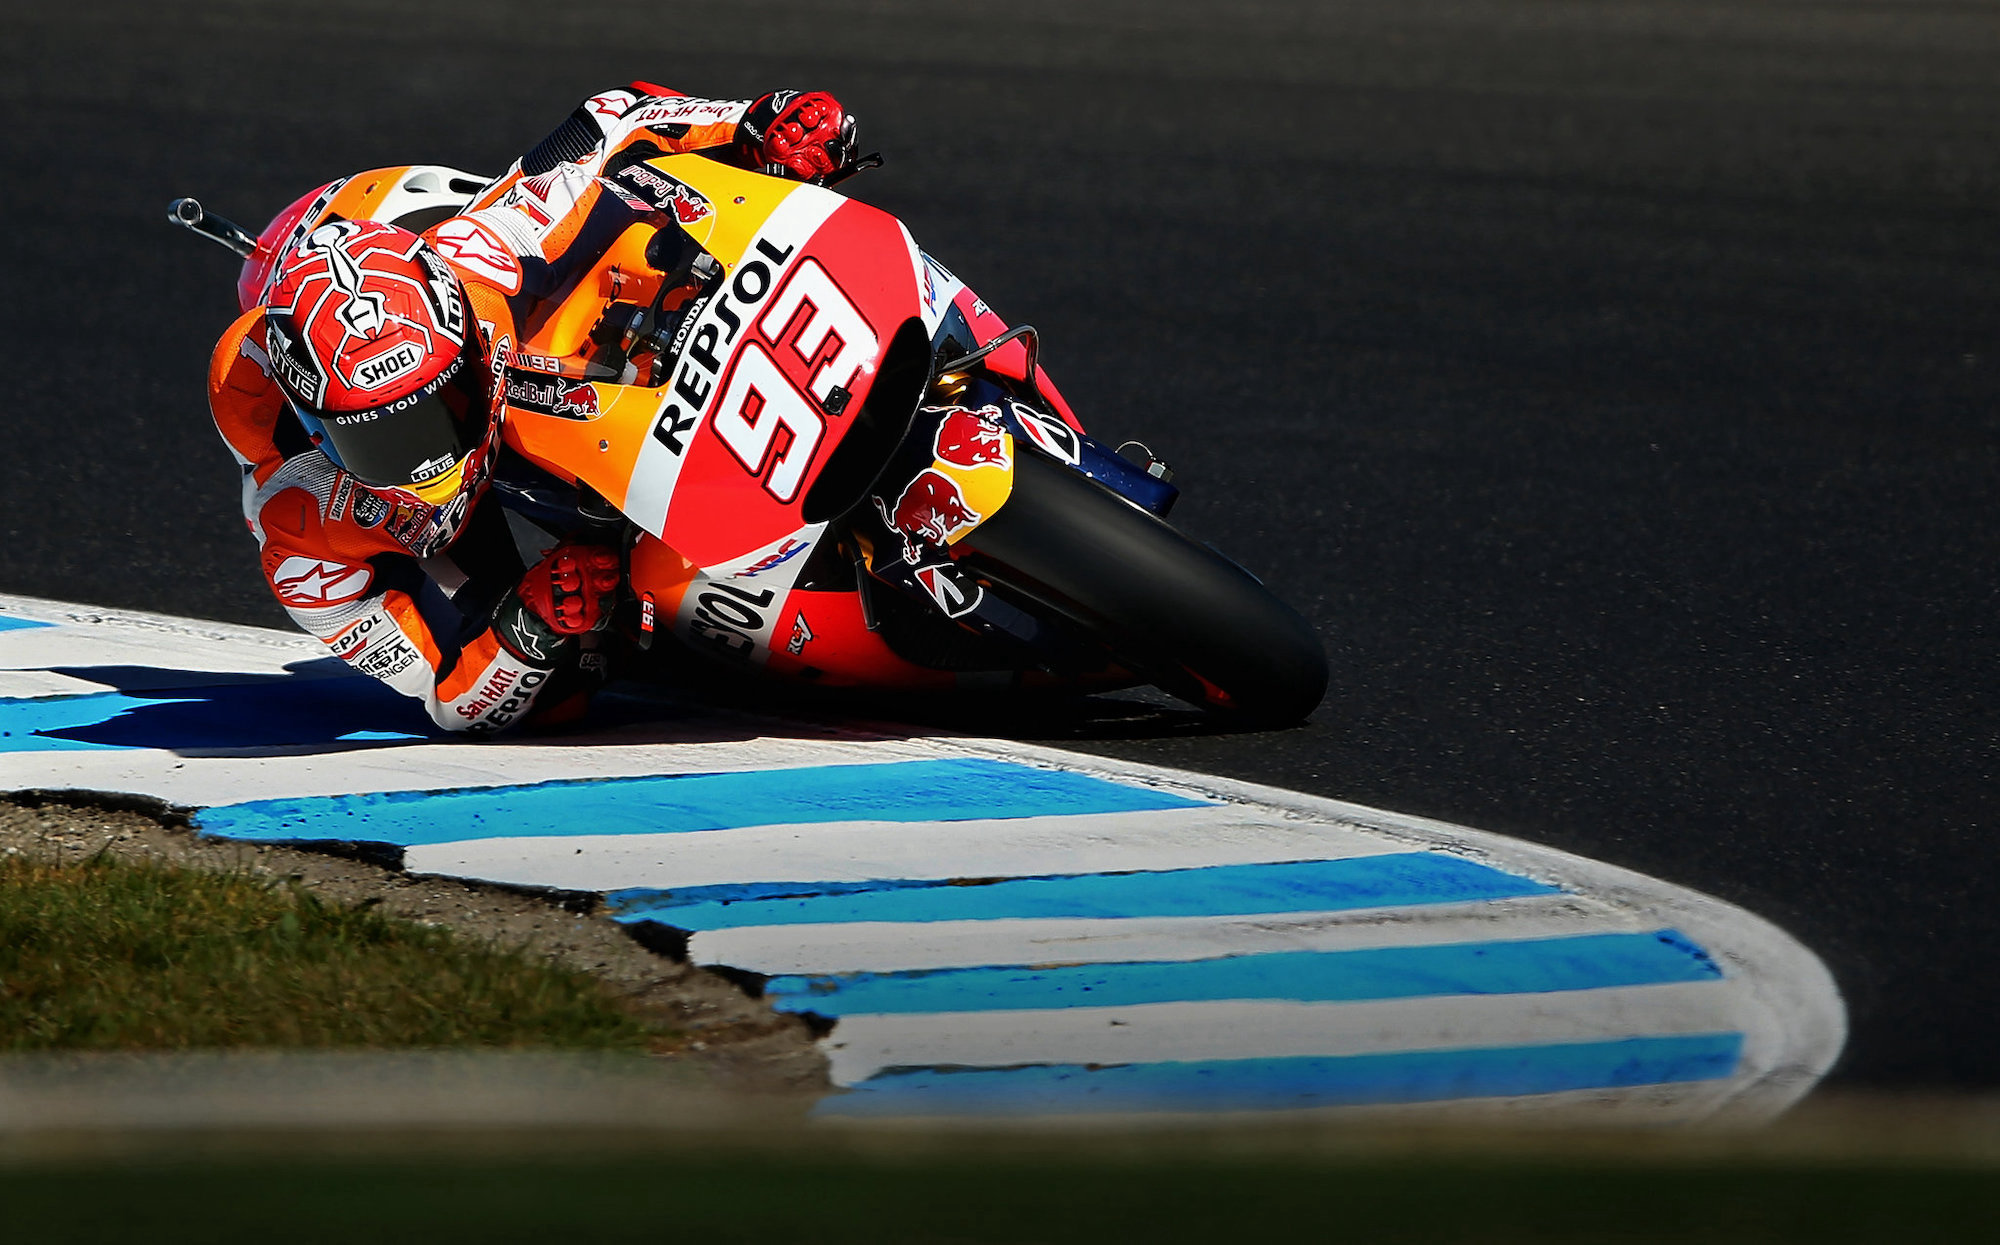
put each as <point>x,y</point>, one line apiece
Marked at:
<point>313,582</point>
<point>378,371</point>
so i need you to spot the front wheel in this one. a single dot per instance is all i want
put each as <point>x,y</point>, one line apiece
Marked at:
<point>1173,611</point>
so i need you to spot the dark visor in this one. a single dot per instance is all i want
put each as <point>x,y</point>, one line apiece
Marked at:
<point>412,439</point>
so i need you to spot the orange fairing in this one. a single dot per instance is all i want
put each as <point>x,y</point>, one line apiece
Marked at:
<point>661,577</point>
<point>599,450</point>
<point>716,461</point>
<point>622,274</point>
<point>602,426</point>
<point>822,638</point>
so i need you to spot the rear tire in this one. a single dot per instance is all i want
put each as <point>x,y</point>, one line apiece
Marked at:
<point>1176,612</point>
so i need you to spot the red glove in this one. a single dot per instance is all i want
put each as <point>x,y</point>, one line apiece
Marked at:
<point>803,135</point>
<point>570,588</point>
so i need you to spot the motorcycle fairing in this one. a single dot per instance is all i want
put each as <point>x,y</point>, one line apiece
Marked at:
<point>758,420</point>
<point>937,288</point>
<point>722,552</point>
<point>733,610</point>
<point>954,472</point>
<point>635,450</point>
<point>767,378</point>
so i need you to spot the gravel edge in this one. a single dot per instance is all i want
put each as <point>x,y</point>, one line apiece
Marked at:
<point>731,1041</point>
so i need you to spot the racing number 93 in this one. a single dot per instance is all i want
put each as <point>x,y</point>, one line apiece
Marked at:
<point>819,343</point>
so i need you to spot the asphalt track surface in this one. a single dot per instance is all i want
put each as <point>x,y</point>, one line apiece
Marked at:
<point>1613,384</point>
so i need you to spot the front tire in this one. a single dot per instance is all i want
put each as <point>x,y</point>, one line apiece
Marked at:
<point>1173,611</point>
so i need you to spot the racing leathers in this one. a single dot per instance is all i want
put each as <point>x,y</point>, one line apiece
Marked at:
<point>442,602</point>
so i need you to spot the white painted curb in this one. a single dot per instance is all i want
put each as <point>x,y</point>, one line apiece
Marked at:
<point>1771,990</point>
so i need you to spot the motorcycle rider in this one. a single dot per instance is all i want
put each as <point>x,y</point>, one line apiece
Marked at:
<point>362,401</point>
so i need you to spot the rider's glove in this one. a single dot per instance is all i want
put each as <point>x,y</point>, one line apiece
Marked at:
<point>570,587</point>
<point>565,594</point>
<point>805,135</point>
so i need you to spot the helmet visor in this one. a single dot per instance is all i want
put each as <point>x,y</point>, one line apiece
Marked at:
<point>416,440</point>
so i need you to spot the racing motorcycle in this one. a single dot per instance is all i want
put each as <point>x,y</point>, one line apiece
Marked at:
<point>829,459</point>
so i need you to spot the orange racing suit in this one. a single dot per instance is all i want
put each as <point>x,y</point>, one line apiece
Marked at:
<point>424,601</point>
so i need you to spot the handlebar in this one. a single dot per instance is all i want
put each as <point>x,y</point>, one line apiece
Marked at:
<point>1024,333</point>
<point>190,215</point>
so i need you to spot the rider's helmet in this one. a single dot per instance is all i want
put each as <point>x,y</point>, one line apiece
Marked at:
<point>370,339</point>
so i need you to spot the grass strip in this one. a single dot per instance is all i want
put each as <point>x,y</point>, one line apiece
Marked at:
<point>111,955</point>
<point>715,1200</point>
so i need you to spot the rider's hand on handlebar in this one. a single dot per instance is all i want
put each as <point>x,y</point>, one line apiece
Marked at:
<point>570,588</point>
<point>805,135</point>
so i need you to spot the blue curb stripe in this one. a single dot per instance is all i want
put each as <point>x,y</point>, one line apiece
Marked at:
<point>9,623</point>
<point>196,711</point>
<point>1542,965</point>
<point>23,722</point>
<point>1222,890</point>
<point>1304,1081</point>
<point>904,791</point>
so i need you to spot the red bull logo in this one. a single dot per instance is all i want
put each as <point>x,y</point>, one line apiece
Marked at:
<point>972,438</point>
<point>667,193</point>
<point>930,510</point>
<point>578,401</point>
<point>689,207</point>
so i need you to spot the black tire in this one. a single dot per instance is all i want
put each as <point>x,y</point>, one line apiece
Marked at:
<point>1182,615</point>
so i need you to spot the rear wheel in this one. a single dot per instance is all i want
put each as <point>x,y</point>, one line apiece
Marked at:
<point>1176,612</point>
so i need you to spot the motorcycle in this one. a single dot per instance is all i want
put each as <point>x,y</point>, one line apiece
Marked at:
<point>828,459</point>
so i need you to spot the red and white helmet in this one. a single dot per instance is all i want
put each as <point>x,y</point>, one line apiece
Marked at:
<point>369,337</point>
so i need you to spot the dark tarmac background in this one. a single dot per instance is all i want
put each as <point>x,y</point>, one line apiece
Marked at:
<point>1613,384</point>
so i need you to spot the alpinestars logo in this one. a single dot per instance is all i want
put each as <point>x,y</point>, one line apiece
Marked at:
<point>312,582</point>
<point>611,105</point>
<point>478,250</point>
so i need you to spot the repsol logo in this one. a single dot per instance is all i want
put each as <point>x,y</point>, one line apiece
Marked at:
<point>503,695</point>
<point>510,708</point>
<point>730,618</point>
<point>348,642</point>
<point>701,361</point>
